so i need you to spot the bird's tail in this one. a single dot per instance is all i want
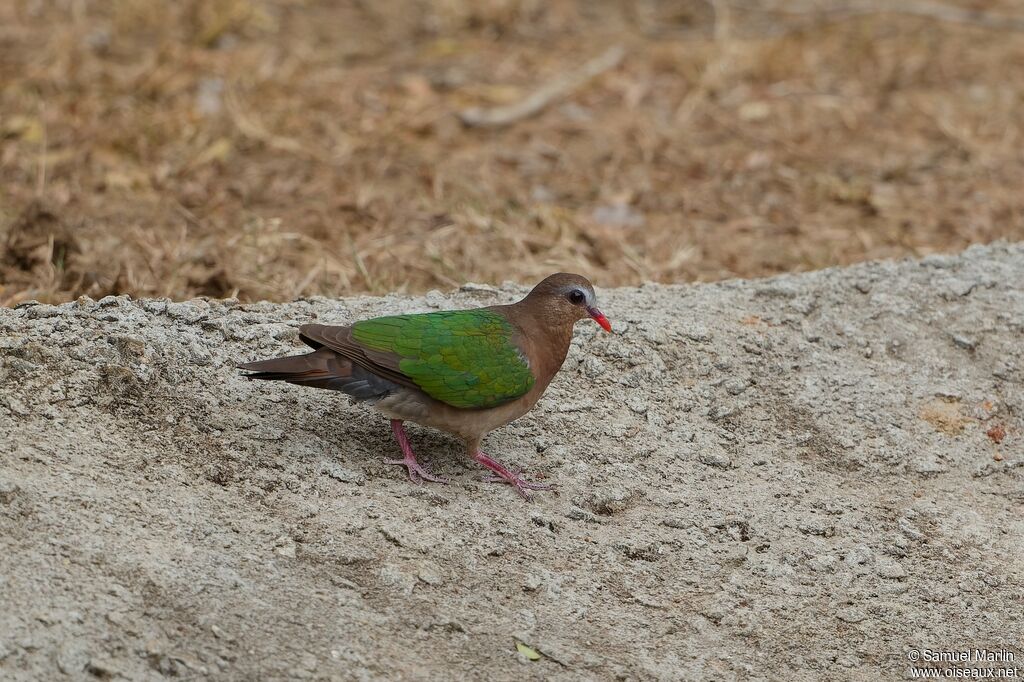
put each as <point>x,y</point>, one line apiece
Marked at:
<point>294,368</point>
<point>323,368</point>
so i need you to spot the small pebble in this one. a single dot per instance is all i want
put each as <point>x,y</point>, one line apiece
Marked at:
<point>859,555</point>
<point>965,342</point>
<point>736,386</point>
<point>340,473</point>
<point>887,568</point>
<point>851,614</point>
<point>715,459</point>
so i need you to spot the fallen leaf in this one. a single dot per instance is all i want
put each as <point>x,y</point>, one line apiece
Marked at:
<point>755,111</point>
<point>217,151</point>
<point>527,651</point>
<point>28,129</point>
<point>445,47</point>
<point>997,433</point>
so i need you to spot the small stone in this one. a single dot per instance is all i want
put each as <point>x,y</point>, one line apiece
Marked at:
<point>393,576</point>
<point>340,473</point>
<point>817,527</point>
<point>198,355</point>
<point>8,490</point>
<point>16,407</point>
<point>811,334</point>
<point>607,501</point>
<point>473,287</point>
<point>859,555</point>
<point>103,668</point>
<point>907,528</point>
<point>685,435</point>
<point>592,367</point>
<point>958,288</point>
<point>715,459</point>
<point>155,306</point>
<point>284,332</point>
<point>721,412</point>
<point>42,311</point>
<point>72,659</point>
<point>888,568</point>
<point>431,575</point>
<point>938,261</point>
<point>851,614</point>
<point>927,465</point>
<point>736,386</point>
<point>637,404</point>
<point>698,334</point>
<point>107,301</point>
<point>268,433</point>
<point>655,336</point>
<point>189,312</point>
<point>964,341</point>
<point>804,305</point>
<point>285,547</point>
<point>338,581</point>
<point>435,299</point>
<point>577,514</point>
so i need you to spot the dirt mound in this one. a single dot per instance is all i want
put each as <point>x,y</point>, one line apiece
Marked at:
<point>794,477</point>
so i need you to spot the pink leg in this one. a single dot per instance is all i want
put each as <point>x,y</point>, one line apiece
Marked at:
<point>417,474</point>
<point>521,485</point>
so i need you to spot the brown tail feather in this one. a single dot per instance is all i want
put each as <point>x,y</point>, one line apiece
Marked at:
<point>280,368</point>
<point>323,368</point>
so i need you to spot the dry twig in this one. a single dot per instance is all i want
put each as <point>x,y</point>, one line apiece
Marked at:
<point>543,96</point>
<point>917,8</point>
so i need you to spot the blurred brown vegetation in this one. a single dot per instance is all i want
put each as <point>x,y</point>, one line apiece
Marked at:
<point>280,148</point>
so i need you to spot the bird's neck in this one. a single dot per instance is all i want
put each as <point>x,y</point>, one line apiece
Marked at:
<point>546,338</point>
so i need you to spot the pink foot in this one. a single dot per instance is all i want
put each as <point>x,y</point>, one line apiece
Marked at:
<point>417,473</point>
<point>503,475</point>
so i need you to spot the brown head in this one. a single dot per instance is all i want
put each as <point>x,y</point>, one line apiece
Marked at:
<point>564,298</point>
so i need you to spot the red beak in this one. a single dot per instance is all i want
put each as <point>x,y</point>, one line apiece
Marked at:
<point>600,318</point>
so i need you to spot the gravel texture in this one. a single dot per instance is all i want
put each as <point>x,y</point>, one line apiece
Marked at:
<point>794,478</point>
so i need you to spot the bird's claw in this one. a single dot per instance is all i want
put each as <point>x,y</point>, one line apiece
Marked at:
<point>521,485</point>
<point>417,473</point>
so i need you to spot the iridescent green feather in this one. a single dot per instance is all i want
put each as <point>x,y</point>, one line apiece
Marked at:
<point>465,358</point>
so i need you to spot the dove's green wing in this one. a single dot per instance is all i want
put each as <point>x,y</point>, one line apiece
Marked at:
<point>465,358</point>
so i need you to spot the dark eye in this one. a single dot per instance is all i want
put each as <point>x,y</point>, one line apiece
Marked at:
<point>576,297</point>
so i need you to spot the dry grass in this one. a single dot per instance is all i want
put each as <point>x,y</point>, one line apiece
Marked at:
<point>280,148</point>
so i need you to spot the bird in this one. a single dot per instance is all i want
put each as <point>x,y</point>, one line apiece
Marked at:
<point>464,372</point>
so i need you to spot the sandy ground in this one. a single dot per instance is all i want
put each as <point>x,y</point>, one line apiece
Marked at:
<point>803,477</point>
